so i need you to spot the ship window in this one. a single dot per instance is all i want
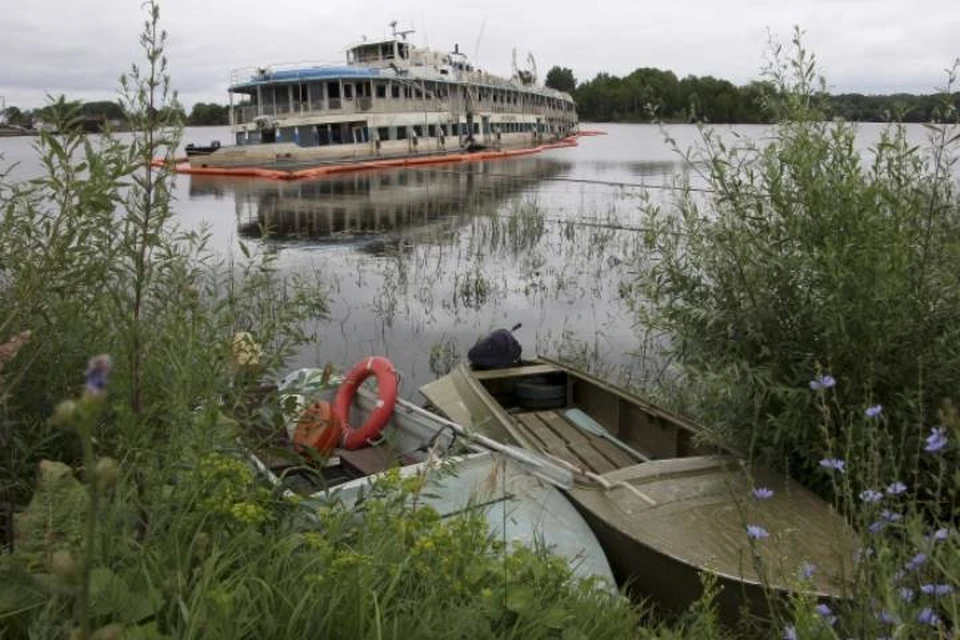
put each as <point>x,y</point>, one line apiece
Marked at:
<point>381,90</point>
<point>383,133</point>
<point>386,50</point>
<point>404,53</point>
<point>418,131</point>
<point>348,91</point>
<point>401,133</point>
<point>395,90</point>
<point>333,90</point>
<point>432,131</point>
<point>323,135</point>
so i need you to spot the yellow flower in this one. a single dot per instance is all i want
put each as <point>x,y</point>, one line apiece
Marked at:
<point>246,351</point>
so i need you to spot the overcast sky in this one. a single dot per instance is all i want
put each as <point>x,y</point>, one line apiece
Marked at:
<point>80,47</point>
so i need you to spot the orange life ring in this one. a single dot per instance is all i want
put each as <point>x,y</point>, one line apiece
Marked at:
<point>354,438</point>
<point>318,428</point>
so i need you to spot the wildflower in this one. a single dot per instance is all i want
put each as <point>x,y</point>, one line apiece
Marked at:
<point>822,382</point>
<point>874,411</point>
<point>936,440</point>
<point>927,616</point>
<point>896,488</point>
<point>762,493</point>
<point>877,527</point>
<point>835,464</point>
<point>756,532</point>
<point>890,516</point>
<point>940,535</point>
<point>825,613</point>
<point>906,594</point>
<point>871,496</point>
<point>246,351</point>
<point>887,618</point>
<point>807,570</point>
<point>98,370</point>
<point>936,589</point>
<point>789,633</point>
<point>916,562</point>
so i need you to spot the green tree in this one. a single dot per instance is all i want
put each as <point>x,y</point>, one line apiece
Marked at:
<point>204,114</point>
<point>561,79</point>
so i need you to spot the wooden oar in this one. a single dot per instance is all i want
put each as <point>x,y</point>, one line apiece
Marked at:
<point>530,460</point>
<point>584,422</point>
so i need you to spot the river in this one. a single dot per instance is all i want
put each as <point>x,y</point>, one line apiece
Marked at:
<point>420,263</point>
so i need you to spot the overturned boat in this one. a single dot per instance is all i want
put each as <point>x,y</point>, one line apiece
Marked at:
<point>515,491</point>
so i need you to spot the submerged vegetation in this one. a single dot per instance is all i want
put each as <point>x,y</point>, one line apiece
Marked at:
<point>800,299</point>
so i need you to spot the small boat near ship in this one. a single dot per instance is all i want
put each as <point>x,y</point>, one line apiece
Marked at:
<point>516,491</point>
<point>193,150</point>
<point>391,99</point>
<point>665,506</point>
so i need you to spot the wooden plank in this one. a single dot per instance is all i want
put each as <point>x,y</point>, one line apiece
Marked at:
<point>617,456</point>
<point>513,372</point>
<point>581,443</point>
<point>553,443</point>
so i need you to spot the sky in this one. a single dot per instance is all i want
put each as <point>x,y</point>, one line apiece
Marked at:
<point>80,47</point>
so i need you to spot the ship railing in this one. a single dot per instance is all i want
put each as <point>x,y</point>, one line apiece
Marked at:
<point>241,75</point>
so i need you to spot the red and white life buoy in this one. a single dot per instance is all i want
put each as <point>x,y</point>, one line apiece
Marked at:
<point>357,437</point>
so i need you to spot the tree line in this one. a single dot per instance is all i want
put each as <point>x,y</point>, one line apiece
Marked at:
<point>648,92</point>
<point>641,96</point>
<point>202,114</point>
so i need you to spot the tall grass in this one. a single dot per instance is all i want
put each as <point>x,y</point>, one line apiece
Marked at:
<point>808,292</point>
<point>138,516</point>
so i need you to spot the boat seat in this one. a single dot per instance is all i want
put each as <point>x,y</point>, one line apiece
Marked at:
<point>369,460</point>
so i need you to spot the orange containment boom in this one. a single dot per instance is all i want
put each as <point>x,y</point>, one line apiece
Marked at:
<point>182,165</point>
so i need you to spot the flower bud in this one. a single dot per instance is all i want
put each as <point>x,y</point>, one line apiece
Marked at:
<point>63,565</point>
<point>106,472</point>
<point>64,414</point>
<point>112,631</point>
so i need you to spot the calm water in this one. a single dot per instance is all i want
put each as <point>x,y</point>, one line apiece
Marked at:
<point>419,263</point>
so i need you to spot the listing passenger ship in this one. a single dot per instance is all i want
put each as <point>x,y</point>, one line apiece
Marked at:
<point>391,99</point>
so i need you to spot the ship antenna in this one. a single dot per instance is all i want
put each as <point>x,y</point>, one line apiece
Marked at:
<point>476,49</point>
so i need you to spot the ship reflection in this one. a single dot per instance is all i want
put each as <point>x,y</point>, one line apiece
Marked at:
<point>375,204</point>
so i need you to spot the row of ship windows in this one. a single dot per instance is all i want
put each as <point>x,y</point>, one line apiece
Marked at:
<point>395,90</point>
<point>354,133</point>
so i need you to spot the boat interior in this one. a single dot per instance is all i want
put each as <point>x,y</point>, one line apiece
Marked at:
<point>560,411</point>
<point>408,439</point>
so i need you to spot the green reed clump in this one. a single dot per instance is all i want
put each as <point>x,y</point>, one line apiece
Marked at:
<point>803,254</point>
<point>145,521</point>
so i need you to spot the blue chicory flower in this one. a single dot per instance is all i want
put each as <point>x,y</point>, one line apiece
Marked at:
<point>807,570</point>
<point>98,370</point>
<point>824,612</point>
<point>756,532</point>
<point>789,633</point>
<point>870,495</point>
<point>916,562</point>
<point>940,535</point>
<point>762,493</point>
<point>891,516</point>
<point>874,411</point>
<point>835,464</point>
<point>937,440</point>
<point>887,618</point>
<point>906,594</point>
<point>877,527</point>
<point>937,589</point>
<point>896,488</point>
<point>927,616</point>
<point>822,382</point>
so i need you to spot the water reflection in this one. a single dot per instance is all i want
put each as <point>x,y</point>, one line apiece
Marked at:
<point>376,204</point>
